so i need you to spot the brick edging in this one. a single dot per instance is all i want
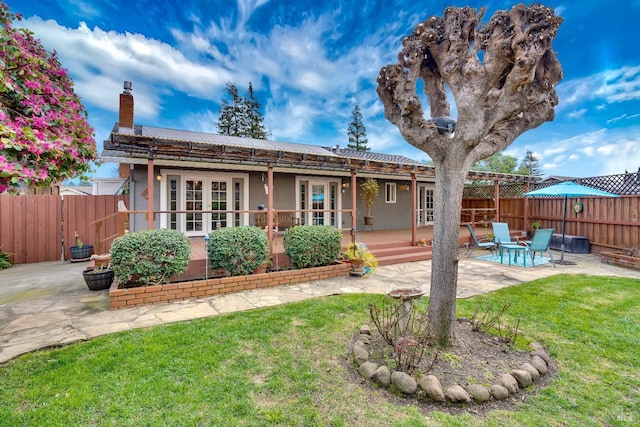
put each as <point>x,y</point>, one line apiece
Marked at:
<point>144,295</point>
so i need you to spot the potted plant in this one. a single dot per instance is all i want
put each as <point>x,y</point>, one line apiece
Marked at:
<point>80,251</point>
<point>534,227</point>
<point>370,193</point>
<point>362,260</point>
<point>98,278</point>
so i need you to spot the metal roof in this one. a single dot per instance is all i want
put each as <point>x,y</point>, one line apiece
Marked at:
<point>143,142</point>
<point>229,141</point>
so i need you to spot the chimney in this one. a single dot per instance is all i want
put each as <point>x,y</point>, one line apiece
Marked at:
<point>125,119</point>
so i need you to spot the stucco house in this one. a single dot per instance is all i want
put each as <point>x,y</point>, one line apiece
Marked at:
<point>196,182</point>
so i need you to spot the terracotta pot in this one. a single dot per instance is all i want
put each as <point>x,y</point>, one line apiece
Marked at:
<point>368,220</point>
<point>357,266</point>
<point>262,268</point>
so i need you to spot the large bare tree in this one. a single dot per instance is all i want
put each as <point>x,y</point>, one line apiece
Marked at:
<point>502,76</point>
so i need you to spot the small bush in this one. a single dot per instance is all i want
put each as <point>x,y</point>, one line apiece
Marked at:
<point>312,246</point>
<point>150,257</point>
<point>239,250</point>
<point>5,259</point>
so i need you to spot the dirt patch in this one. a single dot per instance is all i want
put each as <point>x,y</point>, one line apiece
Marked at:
<point>476,358</point>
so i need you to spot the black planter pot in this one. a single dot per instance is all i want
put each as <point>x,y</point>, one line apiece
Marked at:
<point>83,252</point>
<point>98,280</point>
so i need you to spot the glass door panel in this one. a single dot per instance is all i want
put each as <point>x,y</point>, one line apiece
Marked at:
<point>218,203</point>
<point>425,205</point>
<point>318,198</point>
<point>193,202</point>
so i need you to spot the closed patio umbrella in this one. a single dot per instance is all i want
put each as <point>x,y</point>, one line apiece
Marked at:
<point>567,189</point>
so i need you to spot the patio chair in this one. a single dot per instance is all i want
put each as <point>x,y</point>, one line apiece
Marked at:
<point>478,243</point>
<point>540,243</point>
<point>501,233</point>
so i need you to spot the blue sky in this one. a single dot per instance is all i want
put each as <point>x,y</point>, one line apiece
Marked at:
<point>311,61</point>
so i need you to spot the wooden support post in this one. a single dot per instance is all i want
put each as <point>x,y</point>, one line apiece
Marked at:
<point>150,184</point>
<point>270,206</point>
<point>526,208</point>
<point>497,199</point>
<point>414,209</point>
<point>354,204</point>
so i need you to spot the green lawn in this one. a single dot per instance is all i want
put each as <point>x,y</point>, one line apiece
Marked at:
<point>286,365</point>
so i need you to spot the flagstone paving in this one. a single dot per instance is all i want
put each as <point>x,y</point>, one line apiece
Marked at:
<point>48,304</point>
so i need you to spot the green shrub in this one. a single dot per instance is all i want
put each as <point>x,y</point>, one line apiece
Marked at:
<point>5,259</point>
<point>312,246</point>
<point>239,250</point>
<point>150,257</point>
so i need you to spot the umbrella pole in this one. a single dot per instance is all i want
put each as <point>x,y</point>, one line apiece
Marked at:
<point>564,223</point>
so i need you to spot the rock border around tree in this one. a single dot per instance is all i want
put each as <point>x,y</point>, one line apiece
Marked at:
<point>429,386</point>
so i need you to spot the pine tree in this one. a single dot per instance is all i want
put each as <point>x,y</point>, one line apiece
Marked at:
<point>240,116</point>
<point>530,165</point>
<point>357,132</point>
<point>230,114</point>
<point>257,129</point>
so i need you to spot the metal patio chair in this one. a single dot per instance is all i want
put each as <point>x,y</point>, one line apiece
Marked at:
<point>501,233</point>
<point>478,243</point>
<point>540,243</point>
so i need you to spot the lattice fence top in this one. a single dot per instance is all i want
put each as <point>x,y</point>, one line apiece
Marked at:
<point>626,183</point>
<point>507,191</point>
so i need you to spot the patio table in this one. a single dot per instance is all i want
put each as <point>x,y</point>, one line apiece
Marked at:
<point>516,248</point>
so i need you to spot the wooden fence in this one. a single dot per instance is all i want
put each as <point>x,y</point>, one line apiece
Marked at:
<point>608,223</point>
<point>41,228</point>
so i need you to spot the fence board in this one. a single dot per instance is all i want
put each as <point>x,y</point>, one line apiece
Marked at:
<point>29,227</point>
<point>81,211</point>
<point>32,227</point>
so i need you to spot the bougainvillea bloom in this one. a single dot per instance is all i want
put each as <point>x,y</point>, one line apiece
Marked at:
<point>44,134</point>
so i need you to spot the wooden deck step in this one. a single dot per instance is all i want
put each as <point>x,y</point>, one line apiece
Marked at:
<point>402,258</point>
<point>399,252</point>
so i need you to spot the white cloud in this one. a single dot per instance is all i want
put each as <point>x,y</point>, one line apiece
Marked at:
<point>95,54</point>
<point>619,85</point>
<point>607,150</point>
<point>577,114</point>
<point>553,151</point>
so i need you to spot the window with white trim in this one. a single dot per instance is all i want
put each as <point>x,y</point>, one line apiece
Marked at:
<point>390,192</point>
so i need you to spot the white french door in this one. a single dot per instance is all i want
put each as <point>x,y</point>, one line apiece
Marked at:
<point>203,201</point>
<point>322,198</point>
<point>206,195</point>
<point>318,201</point>
<point>425,205</point>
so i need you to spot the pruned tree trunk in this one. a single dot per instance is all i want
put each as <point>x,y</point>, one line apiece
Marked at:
<point>444,265</point>
<point>502,75</point>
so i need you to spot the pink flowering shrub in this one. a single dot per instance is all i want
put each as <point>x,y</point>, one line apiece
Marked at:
<point>44,134</point>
